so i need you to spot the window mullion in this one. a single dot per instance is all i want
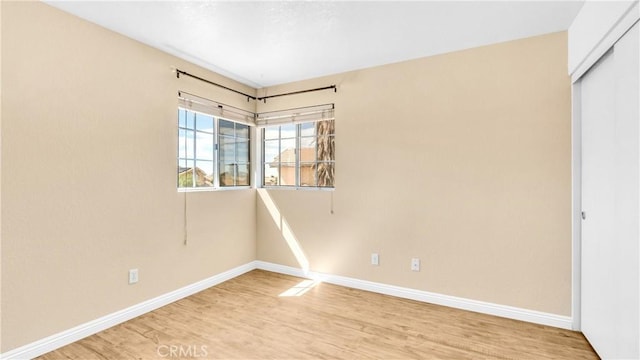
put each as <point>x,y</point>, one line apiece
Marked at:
<point>279,156</point>
<point>261,157</point>
<point>316,160</point>
<point>298,154</point>
<point>193,160</point>
<point>235,154</point>
<point>258,135</point>
<point>216,153</point>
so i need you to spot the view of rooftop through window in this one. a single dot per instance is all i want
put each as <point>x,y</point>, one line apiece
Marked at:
<point>299,154</point>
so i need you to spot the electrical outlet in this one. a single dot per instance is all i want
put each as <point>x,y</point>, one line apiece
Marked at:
<point>415,264</point>
<point>375,259</point>
<point>133,276</point>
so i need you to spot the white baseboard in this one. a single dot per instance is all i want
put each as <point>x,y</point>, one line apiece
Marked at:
<point>58,340</point>
<point>536,317</point>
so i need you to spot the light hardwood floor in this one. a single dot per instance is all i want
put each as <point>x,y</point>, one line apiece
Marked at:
<point>246,318</point>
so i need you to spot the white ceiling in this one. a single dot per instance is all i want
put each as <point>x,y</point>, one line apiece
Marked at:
<point>268,43</point>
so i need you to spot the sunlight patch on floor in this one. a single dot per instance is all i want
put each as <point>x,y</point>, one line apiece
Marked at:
<point>300,289</point>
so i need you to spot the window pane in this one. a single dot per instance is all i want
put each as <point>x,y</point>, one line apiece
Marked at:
<point>288,131</point>
<point>203,173</point>
<point>234,175</point>
<point>271,150</point>
<point>182,118</point>
<point>308,154</point>
<point>242,151</point>
<point>242,176</point>
<point>325,127</point>
<point>185,143</point>
<point>227,174</point>
<point>308,129</point>
<point>307,142</point>
<point>308,174</point>
<point>326,148</point>
<point>227,150</point>
<point>226,128</point>
<point>270,175</point>
<point>242,131</point>
<point>288,150</point>
<point>185,173</point>
<point>204,123</point>
<point>288,174</point>
<point>204,146</point>
<point>186,118</point>
<point>326,174</point>
<point>271,132</point>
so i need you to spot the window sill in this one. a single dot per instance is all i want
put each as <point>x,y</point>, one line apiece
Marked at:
<point>301,188</point>
<point>212,189</point>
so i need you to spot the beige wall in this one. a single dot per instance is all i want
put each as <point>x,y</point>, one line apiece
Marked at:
<point>89,144</point>
<point>462,160</point>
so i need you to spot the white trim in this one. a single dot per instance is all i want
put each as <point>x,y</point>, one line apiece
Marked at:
<point>617,30</point>
<point>576,199</point>
<point>537,317</point>
<point>79,332</point>
<point>66,337</point>
<point>255,156</point>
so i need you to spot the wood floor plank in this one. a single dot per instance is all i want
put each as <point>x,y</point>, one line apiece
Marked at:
<point>246,318</point>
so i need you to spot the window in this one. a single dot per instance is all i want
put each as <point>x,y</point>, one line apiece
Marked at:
<point>299,155</point>
<point>212,152</point>
<point>234,153</point>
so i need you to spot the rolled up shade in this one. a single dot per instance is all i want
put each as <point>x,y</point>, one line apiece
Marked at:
<point>298,115</point>
<point>199,104</point>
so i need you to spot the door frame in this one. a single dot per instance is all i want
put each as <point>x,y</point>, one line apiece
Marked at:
<point>576,203</point>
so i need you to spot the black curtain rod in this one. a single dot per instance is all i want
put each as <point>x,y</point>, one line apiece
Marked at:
<point>178,72</point>
<point>263,98</point>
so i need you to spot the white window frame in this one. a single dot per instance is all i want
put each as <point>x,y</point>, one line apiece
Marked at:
<point>296,117</point>
<point>195,104</point>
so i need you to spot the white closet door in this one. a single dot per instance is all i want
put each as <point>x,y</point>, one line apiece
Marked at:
<point>598,153</point>
<point>610,200</point>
